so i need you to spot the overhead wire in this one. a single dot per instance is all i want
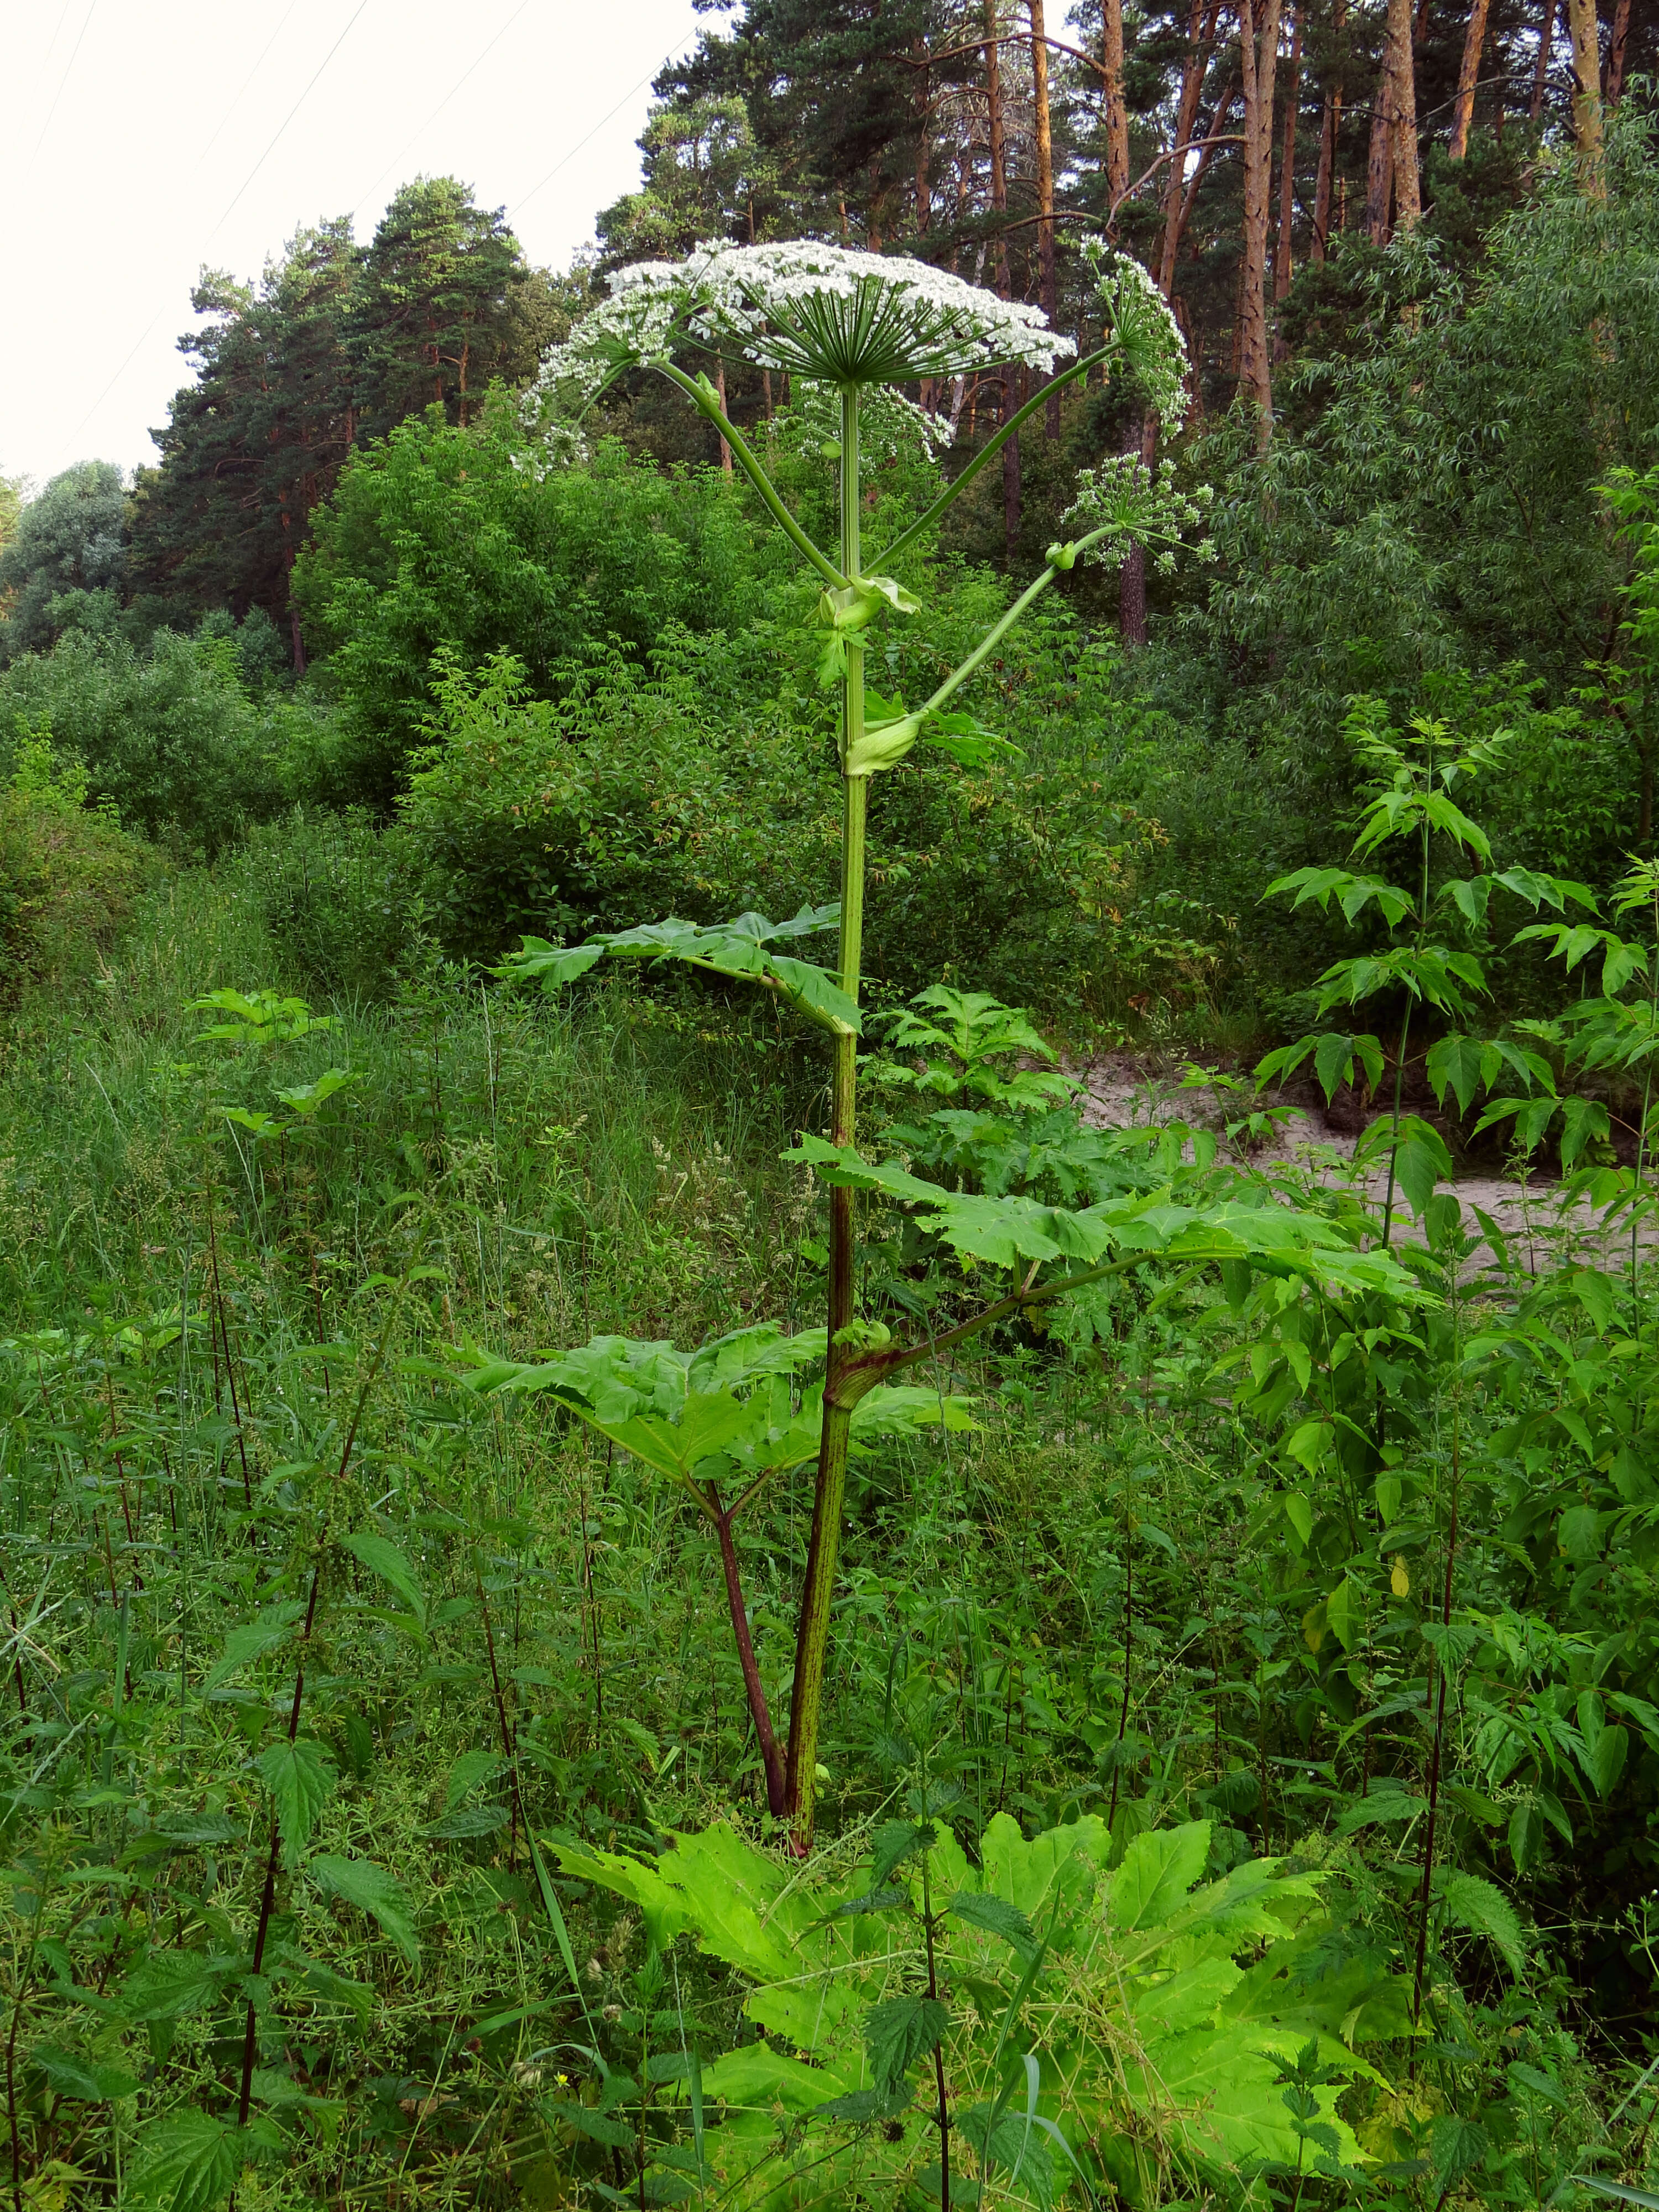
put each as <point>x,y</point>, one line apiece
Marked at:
<point>519,206</point>
<point>316,74</point>
<point>363,198</point>
<point>232,105</point>
<point>92,6</point>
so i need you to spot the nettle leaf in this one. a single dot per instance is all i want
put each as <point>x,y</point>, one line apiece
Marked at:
<point>300,1778</point>
<point>374,1892</point>
<point>187,2164</point>
<point>382,1558</point>
<point>1483,1910</point>
<point>899,2031</point>
<point>270,1628</point>
<point>69,2075</point>
<point>469,1769</point>
<point>996,1917</point>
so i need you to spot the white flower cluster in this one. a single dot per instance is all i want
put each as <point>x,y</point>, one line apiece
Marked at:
<point>1140,319</point>
<point>888,422</point>
<point>831,314</point>
<point>1135,505</point>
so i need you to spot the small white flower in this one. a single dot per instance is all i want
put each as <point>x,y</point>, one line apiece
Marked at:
<point>888,422</point>
<point>1134,505</point>
<point>1142,321</point>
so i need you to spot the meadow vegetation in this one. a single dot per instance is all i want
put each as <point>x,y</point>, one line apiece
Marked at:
<point>709,1584</point>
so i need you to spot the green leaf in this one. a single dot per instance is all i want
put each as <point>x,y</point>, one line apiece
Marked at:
<point>996,1917</point>
<point>468,1821</point>
<point>469,1769</point>
<point>300,1777</point>
<point>1457,2147</point>
<point>187,2164</point>
<point>897,2032</point>
<point>1158,1869</point>
<point>373,1891</point>
<point>271,1628</point>
<point>382,1558</point>
<point>1616,2189</point>
<point>1299,1514</point>
<point>1456,1061</point>
<point>88,2079</point>
<point>1476,1905</point>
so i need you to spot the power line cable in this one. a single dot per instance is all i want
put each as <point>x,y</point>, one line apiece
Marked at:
<point>566,158</point>
<point>286,120</point>
<point>91,9</point>
<point>364,198</point>
<point>235,102</point>
<point>126,363</point>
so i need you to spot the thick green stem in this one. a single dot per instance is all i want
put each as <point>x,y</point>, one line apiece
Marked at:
<point>995,445</point>
<point>812,1631</point>
<point>704,397</point>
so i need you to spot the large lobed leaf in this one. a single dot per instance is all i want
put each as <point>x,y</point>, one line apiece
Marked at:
<point>738,949</point>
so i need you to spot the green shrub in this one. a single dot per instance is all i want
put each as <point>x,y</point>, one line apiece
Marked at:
<point>68,874</point>
<point>641,794</point>
<point>438,539</point>
<point>346,901</point>
<point>171,737</point>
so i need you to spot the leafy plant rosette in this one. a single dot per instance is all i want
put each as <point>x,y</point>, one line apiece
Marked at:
<point>1093,2031</point>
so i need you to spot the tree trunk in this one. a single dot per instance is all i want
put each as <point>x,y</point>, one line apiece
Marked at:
<point>1282,243</point>
<point>1475,41</point>
<point>1117,115</point>
<point>1379,167</point>
<point>1402,116</point>
<point>1259,55</point>
<point>924,188</point>
<point>999,207</point>
<point>1045,185</point>
<point>1616,53</point>
<point>1542,70</point>
<point>1586,36</point>
<point>1201,36</point>
<point>1330,124</point>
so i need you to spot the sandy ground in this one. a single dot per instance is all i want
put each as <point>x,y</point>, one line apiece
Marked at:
<point>1528,1214</point>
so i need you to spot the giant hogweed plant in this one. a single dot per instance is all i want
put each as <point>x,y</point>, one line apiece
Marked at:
<point>856,325</point>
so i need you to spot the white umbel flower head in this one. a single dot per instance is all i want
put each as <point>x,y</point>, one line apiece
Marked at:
<point>1130,504</point>
<point>1139,317</point>
<point>831,313</point>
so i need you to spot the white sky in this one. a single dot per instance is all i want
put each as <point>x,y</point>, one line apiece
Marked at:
<point>134,150</point>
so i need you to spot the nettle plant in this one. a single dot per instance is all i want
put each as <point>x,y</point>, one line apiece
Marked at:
<point>853,325</point>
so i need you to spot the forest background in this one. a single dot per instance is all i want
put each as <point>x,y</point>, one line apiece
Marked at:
<point>303,728</point>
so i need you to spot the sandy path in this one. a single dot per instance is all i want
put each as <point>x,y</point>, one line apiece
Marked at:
<point>1528,1214</point>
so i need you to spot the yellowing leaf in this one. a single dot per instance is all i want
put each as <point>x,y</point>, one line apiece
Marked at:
<point>1400,1582</point>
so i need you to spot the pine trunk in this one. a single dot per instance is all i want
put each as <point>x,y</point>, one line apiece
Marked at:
<point>1330,124</point>
<point>1469,76</point>
<point>1283,243</point>
<point>1616,53</point>
<point>1045,184</point>
<point>1117,115</point>
<point>1585,32</point>
<point>1402,116</point>
<point>1259,55</point>
<point>1541,69</point>
<point>1200,37</point>
<point>1000,208</point>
